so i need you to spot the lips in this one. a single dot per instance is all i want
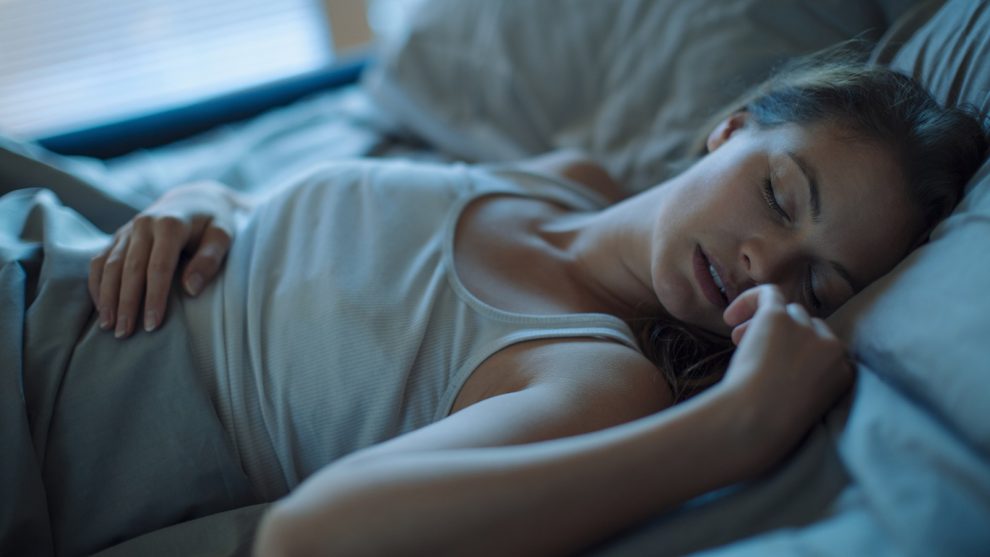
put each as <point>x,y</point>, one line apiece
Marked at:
<point>705,282</point>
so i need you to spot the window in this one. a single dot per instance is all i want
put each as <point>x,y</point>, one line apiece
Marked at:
<point>69,64</point>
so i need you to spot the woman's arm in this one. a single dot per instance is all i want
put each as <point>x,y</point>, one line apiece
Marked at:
<point>547,498</point>
<point>446,490</point>
<point>137,267</point>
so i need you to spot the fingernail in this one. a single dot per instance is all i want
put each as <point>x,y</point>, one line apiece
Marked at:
<point>121,327</point>
<point>194,283</point>
<point>150,320</point>
<point>104,318</point>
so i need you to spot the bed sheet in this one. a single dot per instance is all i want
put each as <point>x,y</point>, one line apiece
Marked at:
<point>248,156</point>
<point>893,479</point>
<point>252,155</point>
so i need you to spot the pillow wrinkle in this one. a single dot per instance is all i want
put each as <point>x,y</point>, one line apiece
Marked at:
<point>629,82</point>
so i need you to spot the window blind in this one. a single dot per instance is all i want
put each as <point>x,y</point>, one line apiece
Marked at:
<point>69,64</point>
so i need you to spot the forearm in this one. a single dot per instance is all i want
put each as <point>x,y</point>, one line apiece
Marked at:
<point>541,499</point>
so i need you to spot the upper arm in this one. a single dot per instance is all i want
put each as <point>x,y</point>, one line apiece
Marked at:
<point>593,385</point>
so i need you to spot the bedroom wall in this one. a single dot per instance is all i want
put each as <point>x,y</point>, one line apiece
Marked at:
<point>348,24</point>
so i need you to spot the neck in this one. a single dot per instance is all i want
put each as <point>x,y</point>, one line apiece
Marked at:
<point>608,253</point>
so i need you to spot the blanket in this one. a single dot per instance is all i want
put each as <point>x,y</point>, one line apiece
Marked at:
<point>102,440</point>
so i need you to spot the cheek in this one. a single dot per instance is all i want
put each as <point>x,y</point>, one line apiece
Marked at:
<point>676,290</point>
<point>667,273</point>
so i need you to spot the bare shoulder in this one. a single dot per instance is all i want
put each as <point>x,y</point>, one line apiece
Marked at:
<point>610,381</point>
<point>577,166</point>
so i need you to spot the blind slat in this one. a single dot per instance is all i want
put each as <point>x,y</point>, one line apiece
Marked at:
<point>66,63</point>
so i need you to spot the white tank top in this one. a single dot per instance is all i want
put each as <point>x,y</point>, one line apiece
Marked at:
<point>339,321</point>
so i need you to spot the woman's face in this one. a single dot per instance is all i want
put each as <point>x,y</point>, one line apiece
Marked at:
<point>803,207</point>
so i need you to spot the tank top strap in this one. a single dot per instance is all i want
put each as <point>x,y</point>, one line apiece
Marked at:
<point>505,177</point>
<point>495,328</point>
<point>570,326</point>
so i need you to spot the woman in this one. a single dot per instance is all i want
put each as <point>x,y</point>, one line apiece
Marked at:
<point>513,343</point>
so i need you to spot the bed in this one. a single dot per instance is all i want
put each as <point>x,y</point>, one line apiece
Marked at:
<point>900,468</point>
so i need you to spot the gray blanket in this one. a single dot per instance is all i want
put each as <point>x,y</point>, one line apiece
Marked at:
<point>101,440</point>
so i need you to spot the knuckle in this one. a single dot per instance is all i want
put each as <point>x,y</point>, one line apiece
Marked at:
<point>144,221</point>
<point>770,287</point>
<point>127,302</point>
<point>170,224</point>
<point>158,268</point>
<point>221,243</point>
<point>123,230</point>
<point>132,265</point>
<point>776,314</point>
<point>834,345</point>
<point>155,300</point>
<point>220,233</point>
<point>114,262</point>
<point>212,254</point>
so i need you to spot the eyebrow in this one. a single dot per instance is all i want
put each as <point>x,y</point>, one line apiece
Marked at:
<point>815,201</point>
<point>809,173</point>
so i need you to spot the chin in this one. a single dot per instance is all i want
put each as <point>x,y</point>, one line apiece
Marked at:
<point>676,304</point>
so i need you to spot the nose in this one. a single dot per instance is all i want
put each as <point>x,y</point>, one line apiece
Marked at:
<point>770,259</point>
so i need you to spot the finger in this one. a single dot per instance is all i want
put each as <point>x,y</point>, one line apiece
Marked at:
<point>739,331</point>
<point>207,260</point>
<point>744,307</point>
<point>96,275</point>
<point>822,328</point>
<point>170,237</point>
<point>844,375</point>
<point>110,283</point>
<point>799,314</point>
<point>132,281</point>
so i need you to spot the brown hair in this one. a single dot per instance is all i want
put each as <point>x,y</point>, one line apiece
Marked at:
<point>939,149</point>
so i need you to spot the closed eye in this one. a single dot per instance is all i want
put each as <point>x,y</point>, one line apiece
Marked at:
<point>813,301</point>
<point>770,196</point>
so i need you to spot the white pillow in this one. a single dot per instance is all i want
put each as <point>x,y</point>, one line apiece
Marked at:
<point>630,81</point>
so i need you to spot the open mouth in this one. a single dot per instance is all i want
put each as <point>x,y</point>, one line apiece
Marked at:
<point>711,284</point>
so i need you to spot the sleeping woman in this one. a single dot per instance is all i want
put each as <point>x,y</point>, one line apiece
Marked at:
<point>514,360</point>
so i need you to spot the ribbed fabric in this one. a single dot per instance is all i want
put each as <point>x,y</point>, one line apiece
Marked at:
<point>339,321</point>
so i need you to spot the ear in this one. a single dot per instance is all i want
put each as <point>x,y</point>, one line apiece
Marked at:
<point>725,129</point>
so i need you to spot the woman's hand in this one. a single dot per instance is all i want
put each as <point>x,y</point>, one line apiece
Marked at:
<point>141,260</point>
<point>787,362</point>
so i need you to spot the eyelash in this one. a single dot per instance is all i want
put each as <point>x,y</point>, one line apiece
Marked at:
<point>771,199</point>
<point>809,292</point>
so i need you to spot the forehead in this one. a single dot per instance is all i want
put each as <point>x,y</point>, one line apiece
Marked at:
<point>868,220</point>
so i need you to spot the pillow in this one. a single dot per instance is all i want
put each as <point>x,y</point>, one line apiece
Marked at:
<point>924,327</point>
<point>949,54</point>
<point>629,82</point>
